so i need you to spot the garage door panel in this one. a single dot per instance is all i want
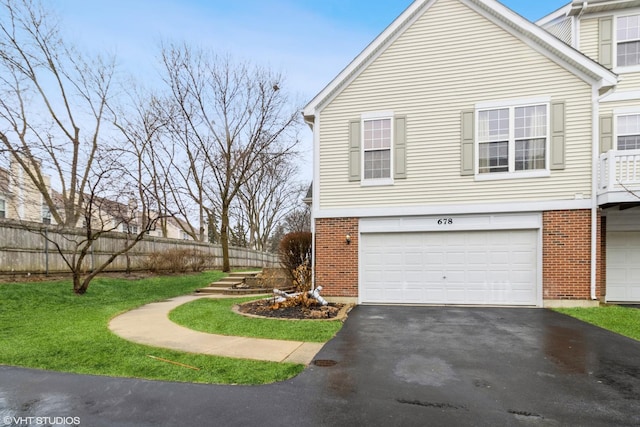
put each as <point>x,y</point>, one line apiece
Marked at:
<point>623,266</point>
<point>483,267</point>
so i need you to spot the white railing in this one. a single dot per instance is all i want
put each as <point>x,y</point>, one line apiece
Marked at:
<point>620,171</point>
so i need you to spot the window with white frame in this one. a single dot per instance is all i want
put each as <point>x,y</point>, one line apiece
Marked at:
<point>376,148</point>
<point>129,228</point>
<point>3,208</point>
<point>628,132</point>
<point>512,139</point>
<point>628,40</point>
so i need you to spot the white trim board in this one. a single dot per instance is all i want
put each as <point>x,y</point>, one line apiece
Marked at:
<point>462,209</point>
<point>451,223</point>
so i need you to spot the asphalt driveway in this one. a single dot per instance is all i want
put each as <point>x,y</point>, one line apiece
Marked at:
<point>393,366</point>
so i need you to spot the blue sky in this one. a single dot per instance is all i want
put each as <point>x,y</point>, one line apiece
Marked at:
<point>309,41</point>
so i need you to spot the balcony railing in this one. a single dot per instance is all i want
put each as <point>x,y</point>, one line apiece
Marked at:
<point>619,176</point>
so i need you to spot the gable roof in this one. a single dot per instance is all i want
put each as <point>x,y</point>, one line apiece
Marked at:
<point>536,37</point>
<point>593,6</point>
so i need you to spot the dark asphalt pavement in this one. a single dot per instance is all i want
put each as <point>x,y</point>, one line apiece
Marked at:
<point>395,366</point>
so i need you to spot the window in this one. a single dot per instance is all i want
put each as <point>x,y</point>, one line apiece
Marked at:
<point>129,228</point>
<point>628,132</point>
<point>628,40</point>
<point>377,149</point>
<point>512,139</point>
<point>3,209</point>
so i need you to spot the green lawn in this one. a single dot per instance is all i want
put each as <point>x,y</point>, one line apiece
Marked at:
<point>45,325</point>
<point>215,317</point>
<point>622,320</point>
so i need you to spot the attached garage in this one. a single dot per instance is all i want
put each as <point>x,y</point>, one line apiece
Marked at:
<point>623,266</point>
<point>475,267</point>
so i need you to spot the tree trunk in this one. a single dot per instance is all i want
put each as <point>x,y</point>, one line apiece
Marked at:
<point>79,287</point>
<point>224,238</point>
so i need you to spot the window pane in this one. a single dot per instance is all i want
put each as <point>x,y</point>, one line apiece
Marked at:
<point>493,125</point>
<point>628,28</point>
<point>494,157</point>
<point>629,53</point>
<point>531,122</point>
<point>377,134</point>
<point>530,154</point>
<point>377,164</point>
<point>631,142</point>
<point>629,125</point>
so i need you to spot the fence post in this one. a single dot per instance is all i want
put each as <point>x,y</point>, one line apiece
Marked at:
<point>46,251</point>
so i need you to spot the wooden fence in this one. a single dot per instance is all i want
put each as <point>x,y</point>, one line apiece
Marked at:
<point>24,249</point>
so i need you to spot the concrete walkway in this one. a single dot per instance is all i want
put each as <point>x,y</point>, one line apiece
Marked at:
<point>150,325</point>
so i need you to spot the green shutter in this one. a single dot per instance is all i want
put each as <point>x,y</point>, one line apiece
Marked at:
<point>400,148</point>
<point>354,150</point>
<point>557,136</point>
<point>606,133</point>
<point>467,164</point>
<point>605,41</point>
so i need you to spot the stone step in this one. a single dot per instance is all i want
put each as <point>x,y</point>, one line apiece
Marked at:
<point>229,283</point>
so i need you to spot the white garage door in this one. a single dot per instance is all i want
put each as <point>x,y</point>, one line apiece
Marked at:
<point>466,267</point>
<point>623,266</point>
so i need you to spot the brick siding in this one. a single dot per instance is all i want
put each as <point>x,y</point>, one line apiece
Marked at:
<point>566,252</point>
<point>336,261</point>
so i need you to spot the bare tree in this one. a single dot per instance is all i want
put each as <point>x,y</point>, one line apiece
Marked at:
<point>107,208</point>
<point>53,102</point>
<point>142,122</point>
<point>268,197</point>
<point>298,220</point>
<point>48,91</point>
<point>234,115</point>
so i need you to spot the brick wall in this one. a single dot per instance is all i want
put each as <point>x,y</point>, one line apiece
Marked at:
<point>566,255</point>
<point>336,261</point>
<point>566,251</point>
<point>601,270</point>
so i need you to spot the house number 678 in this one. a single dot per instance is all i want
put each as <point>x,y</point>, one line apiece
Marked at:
<point>445,221</point>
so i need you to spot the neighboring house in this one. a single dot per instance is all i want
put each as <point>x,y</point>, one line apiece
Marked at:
<point>21,200</point>
<point>469,156</point>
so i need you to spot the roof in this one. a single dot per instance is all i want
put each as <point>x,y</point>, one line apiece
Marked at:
<point>510,21</point>
<point>594,6</point>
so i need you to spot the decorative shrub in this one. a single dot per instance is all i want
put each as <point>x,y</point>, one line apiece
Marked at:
<point>295,251</point>
<point>302,278</point>
<point>177,261</point>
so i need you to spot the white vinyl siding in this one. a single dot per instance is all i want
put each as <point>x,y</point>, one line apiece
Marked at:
<point>589,38</point>
<point>432,73</point>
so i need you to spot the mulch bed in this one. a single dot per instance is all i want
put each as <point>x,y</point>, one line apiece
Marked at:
<point>263,308</point>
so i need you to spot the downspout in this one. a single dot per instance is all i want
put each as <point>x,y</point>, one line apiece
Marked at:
<point>595,165</point>
<point>594,193</point>
<point>576,26</point>
<point>314,124</point>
